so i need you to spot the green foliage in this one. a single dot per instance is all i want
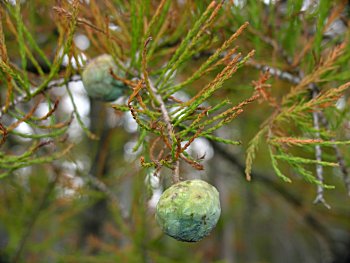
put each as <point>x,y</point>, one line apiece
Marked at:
<point>211,51</point>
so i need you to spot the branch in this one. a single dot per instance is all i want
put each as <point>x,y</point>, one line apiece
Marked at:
<point>24,98</point>
<point>311,220</point>
<point>318,151</point>
<point>275,72</point>
<point>316,121</point>
<point>159,100</point>
<point>340,159</point>
<point>85,22</point>
<point>295,79</point>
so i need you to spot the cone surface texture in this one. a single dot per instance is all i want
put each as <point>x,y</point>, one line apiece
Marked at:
<point>98,81</point>
<point>189,210</point>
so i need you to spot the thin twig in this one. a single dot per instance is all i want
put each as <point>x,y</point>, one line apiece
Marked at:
<point>309,218</point>
<point>83,21</point>
<point>340,158</point>
<point>275,72</point>
<point>169,126</point>
<point>176,176</point>
<point>24,98</point>
<point>284,75</point>
<point>159,100</point>
<point>318,152</point>
<point>316,120</point>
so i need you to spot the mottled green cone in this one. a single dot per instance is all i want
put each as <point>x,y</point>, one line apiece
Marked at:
<point>99,83</point>
<point>189,210</point>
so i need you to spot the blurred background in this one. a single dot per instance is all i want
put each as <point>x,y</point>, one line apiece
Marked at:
<point>96,203</point>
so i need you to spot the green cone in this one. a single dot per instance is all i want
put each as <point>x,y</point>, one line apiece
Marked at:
<point>189,210</point>
<point>99,83</point>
